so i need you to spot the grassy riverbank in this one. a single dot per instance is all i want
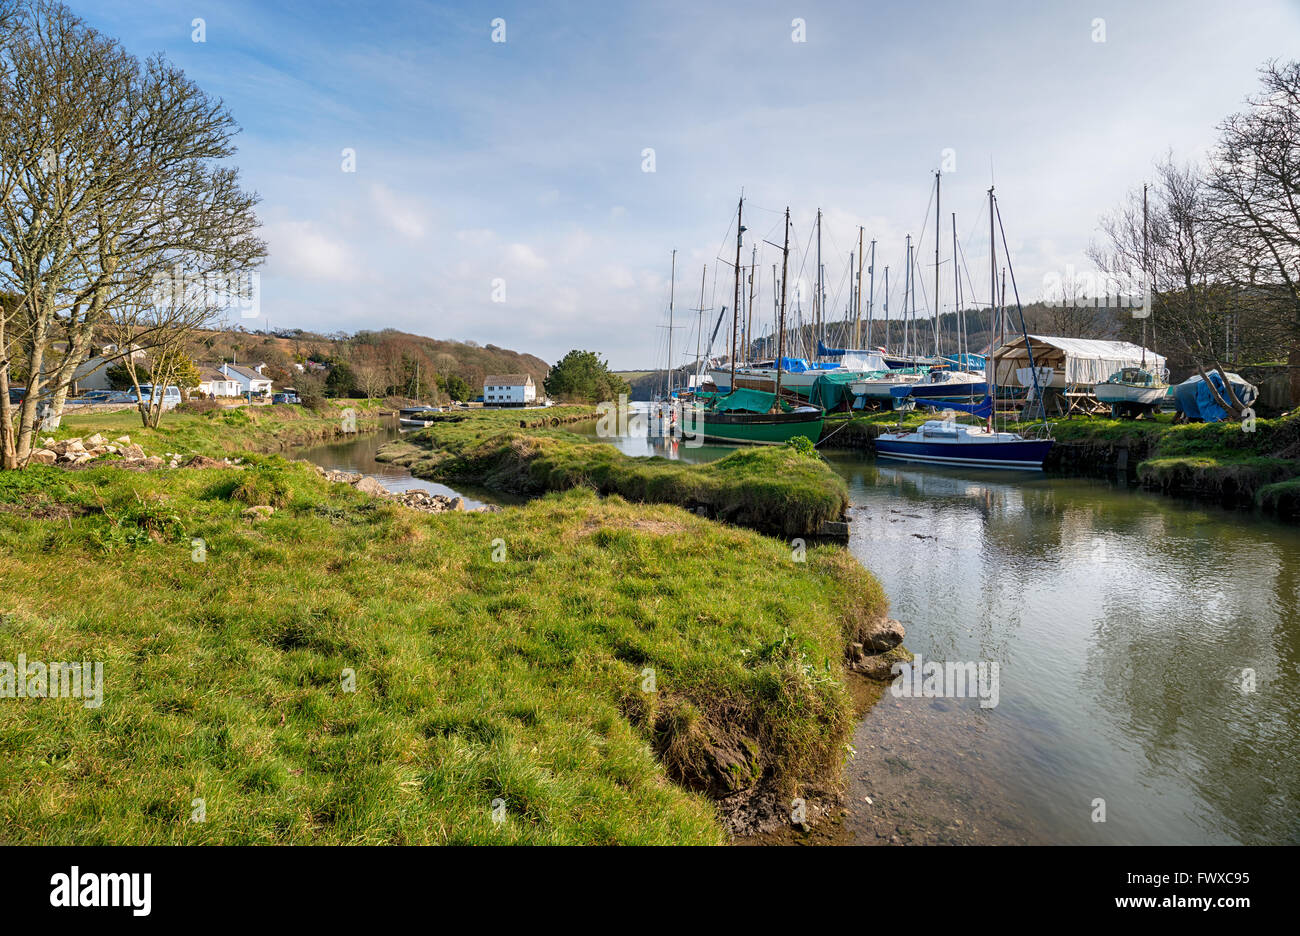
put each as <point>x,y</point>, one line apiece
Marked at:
<point>525,680</point>
<point>770,488</point>
<point>223,432</point>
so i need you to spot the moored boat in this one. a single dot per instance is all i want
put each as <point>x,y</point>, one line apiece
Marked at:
<point>941,442</point>
<point>1131,391</point>
<point>753,417</point>
<point>417,416</point>
<point>945,442</point>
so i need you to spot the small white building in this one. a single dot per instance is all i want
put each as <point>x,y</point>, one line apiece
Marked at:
<point>509,390</point>
<point>250,379</point>
<point>212,382</point>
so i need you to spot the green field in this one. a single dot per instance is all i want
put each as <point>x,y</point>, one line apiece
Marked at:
<point>350,671</point>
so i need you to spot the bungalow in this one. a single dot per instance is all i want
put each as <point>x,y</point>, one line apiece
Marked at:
<point>508,390</point>
<point>212,382</point>
<point>249,379</point>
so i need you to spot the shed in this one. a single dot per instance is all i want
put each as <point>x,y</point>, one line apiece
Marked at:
<point>1075,362</point>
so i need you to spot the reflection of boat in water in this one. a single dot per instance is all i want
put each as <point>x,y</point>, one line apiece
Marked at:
<point>1131,391</point>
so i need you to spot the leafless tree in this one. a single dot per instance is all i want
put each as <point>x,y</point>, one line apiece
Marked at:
<point>110,171</point>
<point>1254,195</point>
<point>1184,253</point>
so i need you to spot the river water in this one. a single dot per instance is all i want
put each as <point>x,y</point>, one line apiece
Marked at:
<point>1148,654</point>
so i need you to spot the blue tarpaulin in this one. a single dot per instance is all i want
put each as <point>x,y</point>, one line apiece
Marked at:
<point>1193,399</point>
<point>983,409</point>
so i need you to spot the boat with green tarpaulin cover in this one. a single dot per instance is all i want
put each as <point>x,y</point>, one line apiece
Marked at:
<point>752,416</point>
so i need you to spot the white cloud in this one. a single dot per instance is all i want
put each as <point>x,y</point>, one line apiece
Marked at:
<point>522,255</point>
<point>397,212</point>
<point>299,249</point>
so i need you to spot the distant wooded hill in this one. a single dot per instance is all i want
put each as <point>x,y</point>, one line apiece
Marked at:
<point>371,363</point>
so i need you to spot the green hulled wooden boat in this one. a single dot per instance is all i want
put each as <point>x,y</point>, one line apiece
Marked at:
<point>747,415</point>
<point>751,417</point>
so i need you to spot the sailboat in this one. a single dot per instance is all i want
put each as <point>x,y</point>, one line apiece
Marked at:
<point>749,415</point>
<point>944,442</point>
<point>1132,391</point>
<point>800,374</point>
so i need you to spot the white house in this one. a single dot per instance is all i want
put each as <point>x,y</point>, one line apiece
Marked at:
<point>508,390</point>
<point>212,382</point>
<point>250,379</point>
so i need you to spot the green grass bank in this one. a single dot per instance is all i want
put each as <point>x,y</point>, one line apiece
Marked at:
<point>771,489</point>
<point>346,670</point>
<point>221,432</point>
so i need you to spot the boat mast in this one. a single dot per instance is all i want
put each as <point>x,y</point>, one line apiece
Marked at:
<point>956,298</point>
<point>775,311</point>
<point>993,299</point>
<point>886,307</point>
<point>821,295</point>
<point>907,280</point>
<point>937,306</point>
<point>672,292</point>
<point>749,316</point>
<point>871,292</point>
<point>699,332</point>
<point>1146,284</point>
<point>780,332</point>
<point>916,262</point>
<point>857,312</point>
<point>735,317</point>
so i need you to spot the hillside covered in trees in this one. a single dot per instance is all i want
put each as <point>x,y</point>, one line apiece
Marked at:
<point>370,363</point>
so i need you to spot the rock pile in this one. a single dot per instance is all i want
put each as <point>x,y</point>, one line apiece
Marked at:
<point>73,453</point>
<point>416,498</point>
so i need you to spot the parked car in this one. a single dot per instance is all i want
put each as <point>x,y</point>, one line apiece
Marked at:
<point>16,395</point>
<point>171,396</point>
<point>285,398</point>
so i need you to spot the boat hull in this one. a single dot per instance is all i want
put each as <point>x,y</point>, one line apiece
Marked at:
<point>765,380</point>
<point>1123,393</point>
<point>760,429</point>
<point>957,390</point>
<point>1019,454</point>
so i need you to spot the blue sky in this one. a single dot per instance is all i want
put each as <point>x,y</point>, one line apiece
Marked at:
<point>522,161</point>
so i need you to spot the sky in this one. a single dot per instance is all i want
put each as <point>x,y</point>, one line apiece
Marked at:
<point>498,190</point>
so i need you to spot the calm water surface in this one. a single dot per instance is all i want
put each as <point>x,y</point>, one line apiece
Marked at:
<point>359,455</point>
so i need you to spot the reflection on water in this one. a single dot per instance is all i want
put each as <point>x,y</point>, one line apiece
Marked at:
<point>1122,623</point>
<point>359,455</point>
<point>644,437</point>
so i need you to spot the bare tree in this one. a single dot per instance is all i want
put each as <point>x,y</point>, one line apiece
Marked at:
<point>1183,252</point>
<point>1254,194</point>
<point>110,173</point>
